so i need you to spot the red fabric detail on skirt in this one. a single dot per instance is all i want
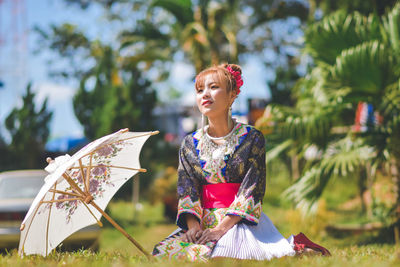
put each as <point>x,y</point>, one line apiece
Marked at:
<point>219,195</point>
<point>301,242</point>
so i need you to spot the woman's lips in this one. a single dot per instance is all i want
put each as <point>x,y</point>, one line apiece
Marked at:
<point>206,103</point>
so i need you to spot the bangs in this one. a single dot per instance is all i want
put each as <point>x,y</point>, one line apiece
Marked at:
<point>218,76</point>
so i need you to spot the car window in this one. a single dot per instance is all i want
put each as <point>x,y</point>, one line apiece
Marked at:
<point>20,187</point>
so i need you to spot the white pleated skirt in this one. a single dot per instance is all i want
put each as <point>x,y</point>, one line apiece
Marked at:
<point>259,242</point>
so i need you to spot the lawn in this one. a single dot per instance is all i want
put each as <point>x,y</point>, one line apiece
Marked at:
<point>371,255</point>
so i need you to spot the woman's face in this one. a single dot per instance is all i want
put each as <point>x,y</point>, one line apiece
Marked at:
<point>213,99</point>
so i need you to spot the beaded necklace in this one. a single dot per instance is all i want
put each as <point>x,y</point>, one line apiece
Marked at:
<point>215,154</point>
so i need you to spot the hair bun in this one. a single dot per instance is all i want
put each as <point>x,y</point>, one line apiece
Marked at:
<point>234,67</point>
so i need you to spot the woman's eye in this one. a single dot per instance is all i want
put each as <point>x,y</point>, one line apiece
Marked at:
<point>199,91</point>
<point>214,87</point>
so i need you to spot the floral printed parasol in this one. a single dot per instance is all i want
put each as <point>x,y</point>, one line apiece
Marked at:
<point>78,189</point>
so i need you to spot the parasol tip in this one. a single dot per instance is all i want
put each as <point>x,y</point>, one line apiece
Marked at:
<point>49,160</point>
<point>142,170</point>
<point>124,130</point>
<point>22,227</point>
<point>155,132</point>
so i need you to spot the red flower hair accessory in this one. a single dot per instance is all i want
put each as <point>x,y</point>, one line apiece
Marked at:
<point>238,78</point>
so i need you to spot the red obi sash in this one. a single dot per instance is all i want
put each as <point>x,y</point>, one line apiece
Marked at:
<point>219,195</point>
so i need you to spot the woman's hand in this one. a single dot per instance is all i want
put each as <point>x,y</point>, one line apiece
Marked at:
<point>192,235</point>
<point>210,235</point>
<point>215,234</point>
<point>194,232</point>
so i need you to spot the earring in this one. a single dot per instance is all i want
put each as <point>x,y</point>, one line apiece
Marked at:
<point>203,123</point>
<point>230,118</point>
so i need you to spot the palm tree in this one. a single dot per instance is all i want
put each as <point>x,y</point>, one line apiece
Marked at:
<point>205,31</point>
<point>356,59</point>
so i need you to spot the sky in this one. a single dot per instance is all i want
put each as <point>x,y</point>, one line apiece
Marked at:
<point>19,64</point>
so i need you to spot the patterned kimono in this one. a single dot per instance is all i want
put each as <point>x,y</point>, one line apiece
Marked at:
<point>254,237</point>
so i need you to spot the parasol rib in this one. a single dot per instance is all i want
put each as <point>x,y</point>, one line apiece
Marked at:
<point>64,193</point>
<point>48,219</point>
<point>87,186</point>
<point>113,166</point>
<point>30,224</point>
<point>83,174</point>
<point>119,228</point>
<point>73,184</point>
<point>62,200</point>
<point>98,222</point>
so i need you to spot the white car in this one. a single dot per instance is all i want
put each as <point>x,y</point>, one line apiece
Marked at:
<point>17,191</point>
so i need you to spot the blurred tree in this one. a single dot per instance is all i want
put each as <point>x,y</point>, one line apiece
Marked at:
<point>205,30</point>
<point>5,158</point>
<point>70,44</point>
<point>121,98</point>
<point>29,130</point>
<point>208,32</point>
<point>281,86</point>
<point>112,94</point>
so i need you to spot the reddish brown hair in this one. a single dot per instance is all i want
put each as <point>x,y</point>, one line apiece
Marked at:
<point>221,74</point>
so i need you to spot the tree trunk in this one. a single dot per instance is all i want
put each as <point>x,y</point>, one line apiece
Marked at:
<point>370,180</point>
<point>362,187</point>
<point>295,167</point>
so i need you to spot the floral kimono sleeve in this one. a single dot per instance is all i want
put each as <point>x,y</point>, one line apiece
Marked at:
<point>248,201</point>
<point>189,188</point>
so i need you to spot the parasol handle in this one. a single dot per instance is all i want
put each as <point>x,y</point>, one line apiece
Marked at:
<point>119,228</point>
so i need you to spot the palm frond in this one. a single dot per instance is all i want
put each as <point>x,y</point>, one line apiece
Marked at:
<point>391,24</point>
<point>326,39</point>
<point>277,150</point>
<point>366,69</point>
<point>391,101</point>
<point>342,157</point>
<point>315,123</point>
<point>143,32</point>
<point>180,9</point>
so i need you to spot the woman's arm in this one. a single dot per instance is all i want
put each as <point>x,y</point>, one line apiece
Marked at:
<point>248,201</point>
<point>188,186</point>
<point>216,233</point>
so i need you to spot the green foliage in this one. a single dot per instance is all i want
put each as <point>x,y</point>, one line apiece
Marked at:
<point>366,68</point>
<point>341,158</point>
<point>339,31</point>
<point>180,9</point>
<point>120,98</point>
<point>281,86</point>
<point>29,130</point>
<point>113,94</point>
<point>355,60</point>
<point>363,6</point>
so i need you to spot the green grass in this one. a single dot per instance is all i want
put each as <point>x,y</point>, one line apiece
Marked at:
<point>372,255</point>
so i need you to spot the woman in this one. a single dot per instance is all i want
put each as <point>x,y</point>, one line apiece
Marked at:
<point>221,182</point>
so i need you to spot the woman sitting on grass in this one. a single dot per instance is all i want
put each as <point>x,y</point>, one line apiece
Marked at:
<point>221,183</point>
